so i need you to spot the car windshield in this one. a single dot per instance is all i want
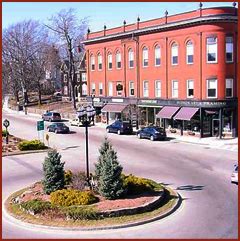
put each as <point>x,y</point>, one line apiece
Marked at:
<point>60,124</point>
<point>56,114</point>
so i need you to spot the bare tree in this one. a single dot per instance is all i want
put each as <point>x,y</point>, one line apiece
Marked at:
<point>70,31</point>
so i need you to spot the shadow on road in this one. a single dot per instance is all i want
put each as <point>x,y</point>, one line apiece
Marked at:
<point>70,147</point>
<point>190,187</point>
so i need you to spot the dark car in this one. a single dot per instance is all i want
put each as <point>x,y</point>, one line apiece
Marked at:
<point>58,128</point>
<point>51,116</point>
<point>120,127</point>
<point>152,132</point>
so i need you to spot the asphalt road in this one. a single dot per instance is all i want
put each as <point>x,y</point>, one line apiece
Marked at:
<point>200,175</point>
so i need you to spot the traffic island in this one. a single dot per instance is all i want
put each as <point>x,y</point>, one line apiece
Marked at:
<point>130,211</point>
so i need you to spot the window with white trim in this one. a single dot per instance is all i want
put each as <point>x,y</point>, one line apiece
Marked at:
<point>145,57</point>
<point>119,92</point>
<point>84,89</point>
<point>131,88</point>
<point>145,88</point>
<point>157,56</point>
<point>99,62</point>
<point>110,89</point>
<point>229,49</point>
<point>110,61</point>
<point>100,88</point>
<point>212,88</point>
<point>118,60</point>
<point>190,88</point>
<point>212,50</point>
<point>93,88</point>
<point>229,87</point>
<point>92,60</point>
<point>189,52</point>
<point>175,89</point>
<point>174,51</point>
<point>131,58</point>
<point>84,77</point>
<point>158,88</point>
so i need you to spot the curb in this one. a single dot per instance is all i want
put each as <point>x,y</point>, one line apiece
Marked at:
<point>26,152</point>
<point>29,225</point>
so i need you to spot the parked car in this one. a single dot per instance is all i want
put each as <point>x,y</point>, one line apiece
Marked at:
<point>120,127</point>
<point>152,132</point>
<point>234,176</point>
<point>75,122</point>
<point>51,116</point>
<point>58,128</point>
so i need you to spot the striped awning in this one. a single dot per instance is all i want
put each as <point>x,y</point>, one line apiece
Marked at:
<point>117,108</point>
<point>167,112</point>
<point>186,113</point>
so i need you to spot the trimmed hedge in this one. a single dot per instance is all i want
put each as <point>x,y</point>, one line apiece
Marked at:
<point>35,206</point>
<point>69,197</point>
<point>137,185</point>
<point>31,145</point>
<point>4,133</point>
<point>81,213</point>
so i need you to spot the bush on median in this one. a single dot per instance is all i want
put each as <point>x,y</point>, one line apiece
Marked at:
<point>31,145</point>
<point>81,213</point>
<point>4,133</point>
<point>35,206</point>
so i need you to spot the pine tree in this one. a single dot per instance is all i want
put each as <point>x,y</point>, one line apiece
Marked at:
<point>108,172</point>
<point>53,170</point>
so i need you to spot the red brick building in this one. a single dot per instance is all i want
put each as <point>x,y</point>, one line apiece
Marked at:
<point>141,71</point>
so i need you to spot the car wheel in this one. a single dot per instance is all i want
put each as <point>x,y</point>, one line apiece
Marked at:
<point>56,131</point>
<point>151,138</point>
<point>139,136</point>
<point>119,132</point>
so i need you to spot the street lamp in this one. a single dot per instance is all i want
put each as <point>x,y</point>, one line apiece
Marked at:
<point>86,116</point>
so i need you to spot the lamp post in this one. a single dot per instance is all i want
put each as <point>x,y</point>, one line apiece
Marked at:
<point>86,116</point>
<point>92,97</point>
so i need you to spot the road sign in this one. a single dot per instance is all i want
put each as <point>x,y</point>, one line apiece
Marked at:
<point>40,125</point>
<point>6,123</point>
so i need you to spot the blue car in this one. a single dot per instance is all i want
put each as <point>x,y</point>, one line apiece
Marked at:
<point>120,127</point>
<point>152,132</point>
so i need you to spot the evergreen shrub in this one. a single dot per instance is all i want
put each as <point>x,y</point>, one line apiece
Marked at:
<point>35,206</point>
<point>81,213</point>
<point>31,145</point>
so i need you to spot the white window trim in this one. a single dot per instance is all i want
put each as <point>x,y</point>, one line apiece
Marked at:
<point>226,51</point>
<point>177,46</point>
<point>99,63</point>
<point>147,89</point>
<point>130,88</point>
<point>109,88</point>
<point>175,97</point>
<point>191,96</point>
<point>130,59</point>
<point>109,62</point>
<point>117,60</point>
<point>209,97</point>
<point>187,54</point>
<point>226,87</point>
<point>156,89</point>
<point>100,85</point>
<point>145,48</point>
<point>157,65</point>
<point>91,64</point>
<point>216,61</point>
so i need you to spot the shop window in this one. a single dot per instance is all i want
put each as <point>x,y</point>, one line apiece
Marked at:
<point>99,62</point>
<point>145,57</point>
<point>145,89</point>
<point>110,61</point>
<point>110,89</point>
<point>131,58</point>
<point>229,87</point>
<point>131,88</point>
<point>100,88</point>
<point>212,88</point>
<point>189,52</point>
<point>174,50</point>
<point>92,60</point>
<point>212,50</point>
<point>229,49</point>
<point>118,60</point>
<point>158,88</point>
<point>190,88</point>
<point>157,56</point>
<point>174,89</point>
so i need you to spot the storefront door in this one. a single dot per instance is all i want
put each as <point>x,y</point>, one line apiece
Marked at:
<point>215,127</point>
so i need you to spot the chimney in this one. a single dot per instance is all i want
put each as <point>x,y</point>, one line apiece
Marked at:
<point>124,25</point>
<point>138,21</point>
<point>104,30</point>
<point>166,14</point>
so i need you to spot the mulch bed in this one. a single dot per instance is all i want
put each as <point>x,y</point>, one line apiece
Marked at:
<point>12,145</point>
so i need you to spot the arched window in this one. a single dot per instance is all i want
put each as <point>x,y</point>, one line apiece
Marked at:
<point>109,61</point>
<point>145,57</point>
<point>92,61</point>
<point>174,54</point>
<point>130,58</point>
<point>118,60</point>
<point>157,56</point>
<point>84,89</point>
<point>189,52</point>
<point>99,62</point>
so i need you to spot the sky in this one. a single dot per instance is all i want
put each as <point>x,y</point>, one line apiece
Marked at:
<point>111,14</point>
